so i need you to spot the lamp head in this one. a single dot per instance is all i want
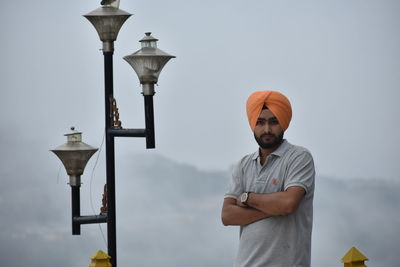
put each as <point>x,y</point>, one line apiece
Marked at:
<point>108,20</point>
<point>74,155</point>
<point>149,60</point>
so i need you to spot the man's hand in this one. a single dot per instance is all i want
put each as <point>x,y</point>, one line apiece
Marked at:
<point>261,206</point>
<point>278,203</point>
<point>233,214</point>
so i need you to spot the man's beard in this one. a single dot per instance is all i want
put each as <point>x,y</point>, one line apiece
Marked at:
<point>273,143</point>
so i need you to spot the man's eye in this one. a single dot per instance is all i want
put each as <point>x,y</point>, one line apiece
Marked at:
<point>273,122</point>
<point>260,122</point>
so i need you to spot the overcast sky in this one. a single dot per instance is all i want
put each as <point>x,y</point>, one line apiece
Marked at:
<point>338,62</point>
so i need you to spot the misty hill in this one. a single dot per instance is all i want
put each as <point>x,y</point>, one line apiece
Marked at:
<point>168,214</point>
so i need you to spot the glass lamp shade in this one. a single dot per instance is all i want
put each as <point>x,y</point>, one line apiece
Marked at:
<point>74,155</point>
<point>107,20</point>
<point>148,61</point>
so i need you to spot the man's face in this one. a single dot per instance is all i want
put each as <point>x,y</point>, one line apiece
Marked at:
<point>268,133</point>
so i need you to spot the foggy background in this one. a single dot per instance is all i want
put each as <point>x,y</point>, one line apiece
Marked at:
<point>337,61</point>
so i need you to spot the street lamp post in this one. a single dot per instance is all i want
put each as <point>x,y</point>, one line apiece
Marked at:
<point>108,20</point>
<point>147,63</point>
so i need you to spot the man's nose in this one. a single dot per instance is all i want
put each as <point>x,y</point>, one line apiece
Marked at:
<point>266,128</point>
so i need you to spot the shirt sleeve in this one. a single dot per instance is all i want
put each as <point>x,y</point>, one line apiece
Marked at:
<point>301,172</point>
<point>236,186</point>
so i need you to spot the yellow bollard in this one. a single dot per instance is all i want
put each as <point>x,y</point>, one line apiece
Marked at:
<point>354,258</point>
<point>100,259</point>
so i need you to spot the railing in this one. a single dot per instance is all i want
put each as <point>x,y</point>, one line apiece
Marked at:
<point>353,258</point>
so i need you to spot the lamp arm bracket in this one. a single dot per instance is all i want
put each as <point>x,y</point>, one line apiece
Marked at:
<point>127,132</point>
<point>102,218</point>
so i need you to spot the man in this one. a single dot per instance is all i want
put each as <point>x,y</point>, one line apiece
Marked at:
<point>271,193</point>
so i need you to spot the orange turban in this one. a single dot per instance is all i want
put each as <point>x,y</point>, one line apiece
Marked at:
<point>275,101</point>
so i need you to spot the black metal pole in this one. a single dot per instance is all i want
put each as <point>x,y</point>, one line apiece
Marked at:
<point>76,209</point>
<point>149,116</point>
<point>110,159</point>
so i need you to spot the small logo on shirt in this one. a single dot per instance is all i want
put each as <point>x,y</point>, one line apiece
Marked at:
<point>274,181</point>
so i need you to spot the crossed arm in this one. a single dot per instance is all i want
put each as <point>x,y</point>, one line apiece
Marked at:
<point>261,206</point>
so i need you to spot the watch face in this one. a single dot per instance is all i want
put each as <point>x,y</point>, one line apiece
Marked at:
<point>243,198</point>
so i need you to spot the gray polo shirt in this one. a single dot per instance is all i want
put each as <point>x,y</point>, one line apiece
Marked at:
<point>278,241</point>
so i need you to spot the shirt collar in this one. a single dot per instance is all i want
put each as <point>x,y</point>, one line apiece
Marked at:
<point>278,152</point>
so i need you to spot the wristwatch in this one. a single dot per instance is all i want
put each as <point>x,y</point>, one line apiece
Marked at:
<point>244,197</point>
